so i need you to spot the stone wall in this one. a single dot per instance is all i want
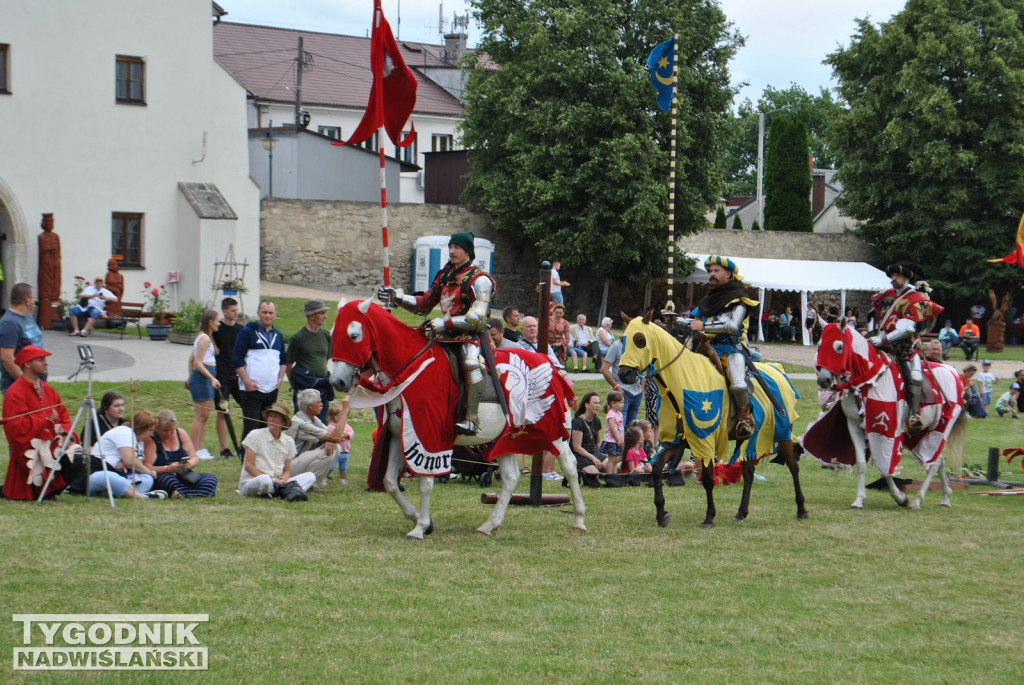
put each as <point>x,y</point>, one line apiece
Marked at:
<point>337,245</point>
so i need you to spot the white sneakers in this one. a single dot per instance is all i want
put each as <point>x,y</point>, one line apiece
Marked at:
<point>204,454</point>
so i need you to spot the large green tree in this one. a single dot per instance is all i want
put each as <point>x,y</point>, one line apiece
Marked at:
<point>816,112</point>
<point>787,178</point>
<point>570,152</point>
<point>933,141</point>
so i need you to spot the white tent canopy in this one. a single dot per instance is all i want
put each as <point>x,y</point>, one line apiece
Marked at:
<point>799,275</point>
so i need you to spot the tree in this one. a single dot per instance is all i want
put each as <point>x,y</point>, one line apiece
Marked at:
<point>720,217</point>
<point>933,141</point>
<point>737,222</point>
<point>787,179</point>
<point>755,226</point>
<point>815,111</point>
<point>570,153</point>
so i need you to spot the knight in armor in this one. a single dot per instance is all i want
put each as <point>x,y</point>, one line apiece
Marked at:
<point>722,315</point>
<point>904,312</point>
<point>462,291</point>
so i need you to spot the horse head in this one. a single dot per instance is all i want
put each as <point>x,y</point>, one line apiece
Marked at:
<point>833,356</point>
<point>353,342</point>
<point>638,354</point>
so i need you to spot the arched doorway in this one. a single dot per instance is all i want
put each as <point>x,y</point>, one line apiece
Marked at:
<point>13,251</point>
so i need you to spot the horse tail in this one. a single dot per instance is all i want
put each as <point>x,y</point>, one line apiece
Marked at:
<point>955,443</point>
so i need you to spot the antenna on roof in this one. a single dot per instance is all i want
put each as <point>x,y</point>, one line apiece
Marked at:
<point>460,22</point>
<point>440,17</point>
<point>399,13</point>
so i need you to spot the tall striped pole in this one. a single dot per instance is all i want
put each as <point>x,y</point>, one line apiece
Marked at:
<point>379,85</point>
<point>670,305</point>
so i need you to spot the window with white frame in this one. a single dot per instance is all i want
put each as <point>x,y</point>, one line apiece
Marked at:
<point>441,142</point>
<point>408,153</point>
<point>332,132</point>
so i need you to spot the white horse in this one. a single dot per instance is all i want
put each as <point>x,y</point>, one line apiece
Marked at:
<point>872,402</point>
<point>385,363</point>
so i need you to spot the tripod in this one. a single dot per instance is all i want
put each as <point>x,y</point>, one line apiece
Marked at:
<point>92,427</point>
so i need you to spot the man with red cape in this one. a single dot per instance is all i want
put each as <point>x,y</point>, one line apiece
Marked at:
<point>32,411</point>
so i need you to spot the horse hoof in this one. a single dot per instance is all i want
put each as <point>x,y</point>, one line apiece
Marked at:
<point>664,521</point>
<point>739,518</point>
<point>430,528</point>
<point>481,531</point>
<point>905,502</point>
<point>857,507</point>
<point>948,505</point>
<point>579,529</point>
<point>802,516</point>
<point>707,525</point>
<point>413,538</point>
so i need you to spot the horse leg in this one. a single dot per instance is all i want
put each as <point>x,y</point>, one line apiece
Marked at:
<point>929,473</point>
<point>395,465</point>
<point>568,463</point>
<point>898,495</point>
<point>748,482</point>
<point>858,438</point>
<point>707,479</point>
<point>947,491</point>
<point>662,516</point>
<point>786,450</point>
<point>424,524</point>
<point>509,478</point>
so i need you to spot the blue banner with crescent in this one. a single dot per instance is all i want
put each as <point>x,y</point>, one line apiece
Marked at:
<point>703,411</point>
<point>660,63</point>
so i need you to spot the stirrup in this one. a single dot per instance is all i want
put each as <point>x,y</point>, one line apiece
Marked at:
<point>466,427</point>
<point>914,424</point>
<point>743,429</point>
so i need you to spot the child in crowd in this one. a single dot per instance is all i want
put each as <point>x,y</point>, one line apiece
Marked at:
<point>336,414</point>
<point>611,445</point>
<point>986,381</point>
<point>633,448</point>
<point>1007,404</point>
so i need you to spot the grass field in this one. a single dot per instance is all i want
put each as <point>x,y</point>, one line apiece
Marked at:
<point>328,589</point>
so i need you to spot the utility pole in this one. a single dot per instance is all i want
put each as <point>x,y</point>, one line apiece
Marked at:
<point>300,60</point>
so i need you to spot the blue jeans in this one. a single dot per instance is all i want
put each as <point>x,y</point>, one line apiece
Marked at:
<point>341,462</point>
<point>91,312</point>
<point>118,484</point>
<point>557,297</point>
<point>632,408</point>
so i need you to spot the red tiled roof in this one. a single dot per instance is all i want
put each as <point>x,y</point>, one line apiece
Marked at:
<point>263,59</point>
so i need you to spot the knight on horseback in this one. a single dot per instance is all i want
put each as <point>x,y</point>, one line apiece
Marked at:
<point>904,312</point>
<point>722,315</point>
<point>463,292</point>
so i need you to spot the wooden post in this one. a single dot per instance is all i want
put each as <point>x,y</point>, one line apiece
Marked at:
<point>993,464</point>
<point>543,297</point>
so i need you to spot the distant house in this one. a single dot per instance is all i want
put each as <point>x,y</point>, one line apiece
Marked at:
<point>826,215</point>
<point>119,121</point>
<point>335,88</point>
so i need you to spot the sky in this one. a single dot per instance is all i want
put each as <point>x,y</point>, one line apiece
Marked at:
<point>786,40</point>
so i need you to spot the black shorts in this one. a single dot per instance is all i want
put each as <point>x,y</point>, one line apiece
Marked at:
<point>229,387</point>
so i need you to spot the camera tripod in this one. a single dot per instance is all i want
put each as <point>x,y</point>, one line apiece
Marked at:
<point>91,428</point>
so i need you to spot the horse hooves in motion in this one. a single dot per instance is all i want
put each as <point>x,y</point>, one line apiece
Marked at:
<point>694,411</point>
<point>871,412</point>
<point>397,369</point>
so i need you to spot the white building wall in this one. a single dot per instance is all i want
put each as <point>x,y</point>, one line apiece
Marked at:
<point>79,154</point>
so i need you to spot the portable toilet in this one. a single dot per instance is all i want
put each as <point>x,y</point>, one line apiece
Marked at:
<point>430,254</point>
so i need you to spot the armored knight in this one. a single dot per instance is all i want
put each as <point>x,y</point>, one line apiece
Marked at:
<point>463,293</point>
<point>903,313</point>
<point>722,315</point>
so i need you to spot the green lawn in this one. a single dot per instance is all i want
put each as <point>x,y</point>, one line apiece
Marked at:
<point>327,589</point>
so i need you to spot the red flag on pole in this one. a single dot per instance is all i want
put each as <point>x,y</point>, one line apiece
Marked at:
<point>393,93</point>
<point>1017,256</point>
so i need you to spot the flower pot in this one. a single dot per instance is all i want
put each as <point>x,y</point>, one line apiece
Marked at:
<point>60,325</point>
<point>229,292</point>
<point>157,331</point>
<point>182,337</point>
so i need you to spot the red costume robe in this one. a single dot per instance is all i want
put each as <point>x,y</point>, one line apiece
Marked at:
<point>26,417</point>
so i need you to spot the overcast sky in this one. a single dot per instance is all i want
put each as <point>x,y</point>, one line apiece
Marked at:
<point>786,39</point>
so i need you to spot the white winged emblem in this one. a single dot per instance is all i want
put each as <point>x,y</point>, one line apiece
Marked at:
<point>525,389</point>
